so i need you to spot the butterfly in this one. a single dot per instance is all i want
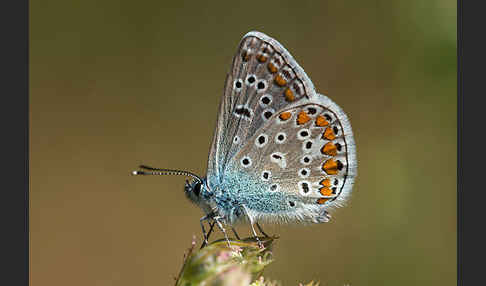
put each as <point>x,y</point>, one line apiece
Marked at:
<point>281,152</point>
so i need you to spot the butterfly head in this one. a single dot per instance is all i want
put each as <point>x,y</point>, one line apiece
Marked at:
<point>195,191</point>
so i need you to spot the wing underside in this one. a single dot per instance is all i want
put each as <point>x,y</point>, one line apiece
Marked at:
<point>274,129</point>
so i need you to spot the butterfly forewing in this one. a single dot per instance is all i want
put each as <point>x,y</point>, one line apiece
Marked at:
<point>263,79</point>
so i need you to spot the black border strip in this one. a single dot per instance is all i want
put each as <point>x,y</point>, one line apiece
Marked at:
<point>471,151</point>
<point>14,118</point>
<point>459,143</point>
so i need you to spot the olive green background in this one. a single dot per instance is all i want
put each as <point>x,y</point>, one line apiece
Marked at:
<point>118,83</point>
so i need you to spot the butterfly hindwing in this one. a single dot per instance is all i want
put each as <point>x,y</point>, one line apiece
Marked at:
<point>307,154</point>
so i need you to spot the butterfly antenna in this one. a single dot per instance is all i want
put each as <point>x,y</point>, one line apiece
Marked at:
<point>161,172</point>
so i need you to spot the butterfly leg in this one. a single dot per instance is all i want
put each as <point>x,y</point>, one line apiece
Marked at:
<point>236,234</point>
<point>220,226</point>
<point>260,244</point>
<point>211,227</point>
<point>206,235</point>
<point>261,230</point>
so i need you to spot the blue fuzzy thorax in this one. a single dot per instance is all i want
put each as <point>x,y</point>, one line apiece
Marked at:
<point>238,189</point>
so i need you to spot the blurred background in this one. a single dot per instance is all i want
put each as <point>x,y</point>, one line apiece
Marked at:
<point>115,84</point>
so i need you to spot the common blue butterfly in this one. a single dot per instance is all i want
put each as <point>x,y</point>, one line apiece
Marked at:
<point>281,152</point>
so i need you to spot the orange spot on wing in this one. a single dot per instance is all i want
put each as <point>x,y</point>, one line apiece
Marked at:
<point>245,56</point>
<point>285,115</point>
<point>262,58</point>
<point>330,167</point>
<point>329,134</point>
<point>325,182</point>
<point>280,80</point>
<point>321,201</point>
<point>302,118</point>
<point>325,191</point>
<point>321,121</point>
<point>289,95</point>
<point>272,68</point>
<point>329,149</point>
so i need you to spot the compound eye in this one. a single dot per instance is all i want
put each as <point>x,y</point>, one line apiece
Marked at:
<point>197,189</point>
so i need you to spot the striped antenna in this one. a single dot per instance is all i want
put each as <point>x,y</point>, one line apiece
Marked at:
<point>161,172</point>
